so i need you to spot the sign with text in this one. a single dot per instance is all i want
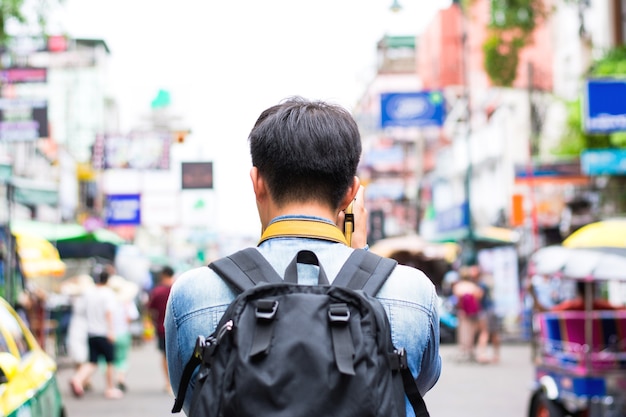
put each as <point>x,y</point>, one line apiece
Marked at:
<point>605,106</point>
<point>19,75</point>
<point>149,150</point>
<point>453,218</point>
<point>603,161</point>
<point>123,209</point>
<point>197,175</point>
<point>23,120</point>
<point>414,109</point>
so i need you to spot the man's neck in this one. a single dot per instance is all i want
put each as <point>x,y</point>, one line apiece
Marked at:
<point>300,209</point>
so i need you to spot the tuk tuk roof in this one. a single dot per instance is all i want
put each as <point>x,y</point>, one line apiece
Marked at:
<point>598,263</point>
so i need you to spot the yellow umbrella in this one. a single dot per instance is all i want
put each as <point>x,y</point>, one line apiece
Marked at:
<point>606,233</point>
<point>39,257</point>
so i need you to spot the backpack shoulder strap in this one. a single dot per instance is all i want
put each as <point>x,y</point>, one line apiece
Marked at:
<point>365,270</point>
<point>245,269</point>
<point>368,271</point>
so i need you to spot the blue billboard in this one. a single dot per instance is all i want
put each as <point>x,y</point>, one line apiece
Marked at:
<point>603,161</point>
<point>604,107</point>
<point>453,218</point>
<point>414,109</point>
<point>123,209</point>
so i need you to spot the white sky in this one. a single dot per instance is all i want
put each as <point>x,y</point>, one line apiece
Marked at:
<point>223,62</point>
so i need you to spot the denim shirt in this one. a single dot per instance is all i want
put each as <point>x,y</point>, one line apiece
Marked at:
<point>199,298</point>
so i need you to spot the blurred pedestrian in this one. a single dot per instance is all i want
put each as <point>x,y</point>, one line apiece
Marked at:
<point>77,338</point>
<point>157,305</point>
<point>100,305</point>
<point>125,313</point>
<point>468,297</point>
<point>488,321</point>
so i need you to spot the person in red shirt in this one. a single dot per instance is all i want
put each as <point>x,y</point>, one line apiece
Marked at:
<point>156,305</point>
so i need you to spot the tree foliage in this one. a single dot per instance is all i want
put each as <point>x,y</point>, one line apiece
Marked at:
<point>24,12</point>
<point>9,10</point>
<point>509,31</point>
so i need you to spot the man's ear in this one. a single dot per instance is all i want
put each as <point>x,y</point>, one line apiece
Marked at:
<point>350,193</point>
<point>258,184</point>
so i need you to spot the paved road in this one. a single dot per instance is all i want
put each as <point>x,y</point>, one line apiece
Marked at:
<point>464,389</point>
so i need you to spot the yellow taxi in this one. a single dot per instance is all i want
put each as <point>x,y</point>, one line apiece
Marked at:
<point>28,382</point>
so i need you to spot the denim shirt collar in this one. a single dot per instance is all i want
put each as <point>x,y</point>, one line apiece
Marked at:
<point>300,217</point>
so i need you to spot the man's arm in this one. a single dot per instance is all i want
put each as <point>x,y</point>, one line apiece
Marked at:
<point>431,359</point>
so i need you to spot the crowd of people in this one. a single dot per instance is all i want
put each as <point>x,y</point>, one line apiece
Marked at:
<point>99,337</point>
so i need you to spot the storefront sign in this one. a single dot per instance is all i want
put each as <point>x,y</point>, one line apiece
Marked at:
<point>23,120</point>
<point>415,109</point>
<point>604,106</point>
<point>123,209</point>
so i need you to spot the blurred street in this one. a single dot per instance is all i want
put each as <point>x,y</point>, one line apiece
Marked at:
<point>464,389</point>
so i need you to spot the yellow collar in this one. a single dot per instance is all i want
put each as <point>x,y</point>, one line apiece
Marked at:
<point>308,228</point>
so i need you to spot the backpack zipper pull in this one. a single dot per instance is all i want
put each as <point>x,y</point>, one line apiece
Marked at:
<point>226,327</point>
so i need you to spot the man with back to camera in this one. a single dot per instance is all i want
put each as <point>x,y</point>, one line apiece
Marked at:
<point>304,156</point>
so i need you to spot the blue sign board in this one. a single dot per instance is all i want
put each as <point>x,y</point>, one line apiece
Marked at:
<point>605,106</point>
<point>603,162</point>
<point>415,109</point>
<point>453,218</point>
<point>123,209</point>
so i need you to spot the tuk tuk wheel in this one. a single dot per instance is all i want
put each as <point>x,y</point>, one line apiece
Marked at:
<point>542,406</point>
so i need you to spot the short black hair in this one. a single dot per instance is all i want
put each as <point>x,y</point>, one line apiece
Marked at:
<point>167,271</point>
<point>100,274</point>
<point>306,150</point>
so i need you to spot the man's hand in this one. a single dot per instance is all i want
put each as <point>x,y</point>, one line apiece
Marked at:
<point>361,220</point>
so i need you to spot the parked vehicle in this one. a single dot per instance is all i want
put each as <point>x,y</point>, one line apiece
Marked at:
<point>580,356</point>
<point>28,382</point>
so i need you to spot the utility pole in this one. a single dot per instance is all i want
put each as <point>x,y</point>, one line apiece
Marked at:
<point>469,247</point>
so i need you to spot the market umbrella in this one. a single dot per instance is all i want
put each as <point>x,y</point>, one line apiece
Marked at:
<point>605,233</point>
<point>415,245</point>
<point>39,257</point>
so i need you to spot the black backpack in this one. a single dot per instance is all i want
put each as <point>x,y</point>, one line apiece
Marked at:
<point>283,349</point>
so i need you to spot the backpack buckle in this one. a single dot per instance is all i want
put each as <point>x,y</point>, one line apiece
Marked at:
<point>339,313</point>
<point>404,363</point>
<point>266,309</point>
<point>199,348</point>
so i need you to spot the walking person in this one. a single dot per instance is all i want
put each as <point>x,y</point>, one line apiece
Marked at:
<point>468,296</point>
<point>304,160</point>
<point>156,306</point>
<point>125,313</point>
<point>488,321</point>
<point>100,305</point>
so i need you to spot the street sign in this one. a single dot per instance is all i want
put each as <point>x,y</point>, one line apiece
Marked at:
<point>23,119</point>
<point>123,209</point>
<point>603,161</point>
<point>604,106</point>
<point>413,109</point>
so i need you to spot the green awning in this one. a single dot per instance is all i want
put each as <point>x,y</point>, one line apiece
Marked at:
<point>399,41</point>
<point>49,231</point>
<point>65,232</point>
<point>489,234</point>
<point>34,192</point>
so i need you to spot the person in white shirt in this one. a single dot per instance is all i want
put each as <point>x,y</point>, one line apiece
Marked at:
<point>100,305</point>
